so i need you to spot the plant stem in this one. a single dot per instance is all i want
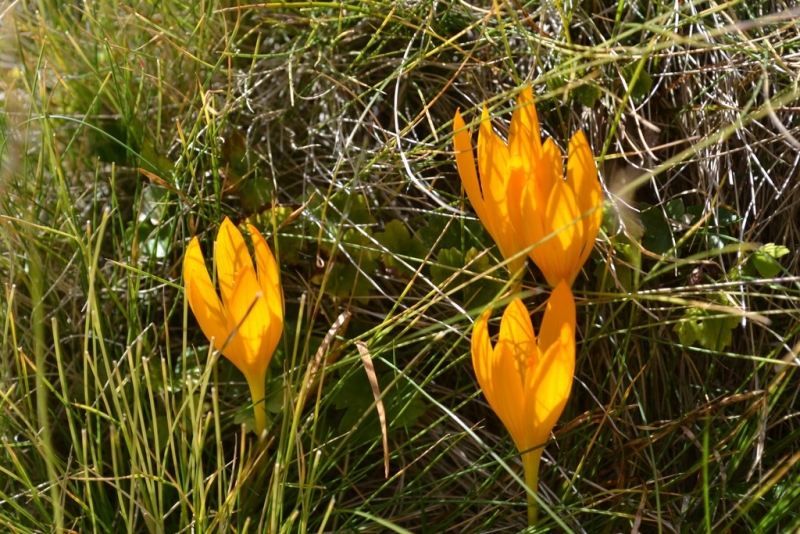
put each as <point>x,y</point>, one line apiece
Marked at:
<point>530,462</point>
<point>257,391</point>
<point>517,272</point>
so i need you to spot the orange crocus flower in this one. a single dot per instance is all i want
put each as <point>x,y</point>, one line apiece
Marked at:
<point>247,323</point>
<point>522,197</point>
<point>526,380</point>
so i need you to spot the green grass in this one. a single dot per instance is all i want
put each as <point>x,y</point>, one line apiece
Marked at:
<point>127,129</point>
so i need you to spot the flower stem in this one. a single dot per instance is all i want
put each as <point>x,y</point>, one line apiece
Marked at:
<point>516,272</point>
<point>530,462</point>
<point>257,390</point>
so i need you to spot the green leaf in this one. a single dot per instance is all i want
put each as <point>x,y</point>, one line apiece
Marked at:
<point>156,162</point>
<point>765,264</point>
<point>355,208</point>
<point>450,260</point>
<point>764,261</point>
<point>255,192</point>
<point>444,232</point>
<point>642,86</point>
<point>398,240</point>
<point>345,281</point>
<point>587,94</point>
<point>774,251</point>
<point>474,292</point>
<point>291,239</point>
<point>706,327</point>
<point>623,273</point>
<point>289,246</point>
<point>675,209</point>
<point>726,217</point>
<point>353,395</point>
<point>657,235</point>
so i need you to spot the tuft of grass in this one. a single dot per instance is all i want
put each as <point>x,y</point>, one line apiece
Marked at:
<point>126,130</point>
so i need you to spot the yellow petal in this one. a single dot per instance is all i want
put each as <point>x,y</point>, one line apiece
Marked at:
<point>534,204</point>
<point>465,162</point>
<point>582,177</point>
<point>524,147</point>
<point>231,257</point>
<point>202,296</point>
<point>517,337</point>
<point>548,388</point>
<point>482,354</point>
<point>560,311</point>
<point>269,280</point>
<point>493,164</point>
<point>267,270</point>
<point>249,314</point>
<point>582,173</point>
<point>564,217</point>
<point>524,139</point>
<point>498,378</point>
<point>509,395</point>
<point>532,208</point>
<point>551,167</point>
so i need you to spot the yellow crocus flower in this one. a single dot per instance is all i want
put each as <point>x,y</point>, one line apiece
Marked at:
<point>247,323</point>
<point>522,197</point>
<point>526,380</point>
<point>494,197</point>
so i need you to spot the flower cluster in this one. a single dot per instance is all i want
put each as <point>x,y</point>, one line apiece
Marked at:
<point>522,197</point>
<point>527,205</point>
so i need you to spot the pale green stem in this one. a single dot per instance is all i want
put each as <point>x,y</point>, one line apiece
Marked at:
<point>517,271</point>
<point>530,461</point>
<point>257,390</point>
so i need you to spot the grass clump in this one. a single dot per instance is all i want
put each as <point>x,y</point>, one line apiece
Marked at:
<point>126,130</point>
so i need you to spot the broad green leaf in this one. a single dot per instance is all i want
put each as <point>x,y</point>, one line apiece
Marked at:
<point>774,251</point>
<point>443,232</point>
<point>708,328</point>
<point>642,86</point>
<point>474,292</point>
<point>657,235</point>
<point>587,94</point>
<point>764,261</point>
<point>675,209</point>
<point>726,216</point>
<point>398,240</point>
<point>353,395</point>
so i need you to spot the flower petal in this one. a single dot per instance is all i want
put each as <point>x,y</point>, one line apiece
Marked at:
<point>548,388</point>
<point>582,177</point>
<point>269,280</point>
<point>560,311</point>
<point>202,296</point>
<point>498,378</point>
<point>493,165</point>
<point>482,354</point>
<point>532,208</point>
<point>517,337</point>
<point>231,256</point>
<point>465,162</point>
<point>551,167</point>
<point>524,138</point>
<point>525,147</point>
<point>509,394</point>
<point>564,249</point>
<point>249,315</point>
<point>267,269</point>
